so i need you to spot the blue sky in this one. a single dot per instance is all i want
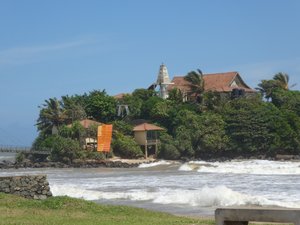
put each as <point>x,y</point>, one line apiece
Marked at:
<point>54,48</point>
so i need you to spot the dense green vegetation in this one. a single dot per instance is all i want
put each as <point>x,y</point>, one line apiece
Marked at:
<point>208,125</point>
<point>69,211</point>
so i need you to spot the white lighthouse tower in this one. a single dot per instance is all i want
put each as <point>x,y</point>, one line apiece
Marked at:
<point>163,81</point>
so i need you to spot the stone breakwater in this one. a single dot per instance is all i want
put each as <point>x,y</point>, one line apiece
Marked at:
<point>35,187</point>
<point>80,164</point>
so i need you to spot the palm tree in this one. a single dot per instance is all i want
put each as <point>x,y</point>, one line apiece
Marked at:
<point>52,115</point>
<point>74,107</point>
<point>279,81</point>
<point>283,80</point>
<point>266,88</point>
<point>196,82</point>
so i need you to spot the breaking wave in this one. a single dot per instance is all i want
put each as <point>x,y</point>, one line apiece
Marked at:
<point>204,197</point>
<point>159,163</point>
<point>244,167</point>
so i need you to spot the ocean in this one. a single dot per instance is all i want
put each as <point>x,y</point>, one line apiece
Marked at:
<point>195,188</point>
<point>8,156</point>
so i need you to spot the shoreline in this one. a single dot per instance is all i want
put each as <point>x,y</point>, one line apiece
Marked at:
<point>109,163</point>
<point>117,162</point>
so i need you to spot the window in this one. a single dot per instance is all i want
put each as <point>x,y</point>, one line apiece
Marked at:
<point>151,135</point>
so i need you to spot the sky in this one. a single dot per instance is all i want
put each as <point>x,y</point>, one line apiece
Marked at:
<point>53,48</point>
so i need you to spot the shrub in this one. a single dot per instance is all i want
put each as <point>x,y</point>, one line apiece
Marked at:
<point>93,155</point>
<point>20,156</point>
<point>64,149</point>
<point>167,149</point>
<point>126,147</point>
<point>123,127</point>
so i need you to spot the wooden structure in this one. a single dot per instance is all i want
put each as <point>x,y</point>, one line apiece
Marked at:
<point>241,216</point>
<point>90,142</point>
<point>146,135</point>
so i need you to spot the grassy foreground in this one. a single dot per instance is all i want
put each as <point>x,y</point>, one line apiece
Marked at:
<point>15,210</point>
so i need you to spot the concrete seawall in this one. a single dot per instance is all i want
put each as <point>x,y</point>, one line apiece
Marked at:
<point>35,187</point>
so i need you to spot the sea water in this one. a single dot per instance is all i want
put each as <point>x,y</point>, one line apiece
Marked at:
<point>7,156</point>
<point>195,188</point>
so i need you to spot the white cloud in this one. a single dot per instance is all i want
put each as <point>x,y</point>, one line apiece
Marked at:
<point>24,55</point>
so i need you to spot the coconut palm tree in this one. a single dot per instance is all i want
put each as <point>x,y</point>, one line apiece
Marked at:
<point>196,82</point>
<point>283,80</point>
<point>52,115</point>
<point>266,88</point>
<point>74,106</point>
<point>279,81</point>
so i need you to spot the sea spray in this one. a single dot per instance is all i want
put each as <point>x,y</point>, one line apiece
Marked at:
<point>173,188</point>
<point>159,163</point>
<point>204,197</point>
<point>244,167</point>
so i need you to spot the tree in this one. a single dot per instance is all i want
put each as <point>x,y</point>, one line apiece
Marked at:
<point>213,138</point>
<point>148,105</point>
<point>267,87</point>
<point>184,141</point>
<point>187,132</point>
<point>143,94</point>
<point>52,115</point>
<point>211,101</point>
<point>123,127</point>
<point>289,100</point>
<point>283,80</point>
<point>64,149</point>
<point>167,147</point>
<point>134,104</point>
<point>61,149</point>
<point>160,111</point>
<point>196,82</point>
<point>76,131</point>
<point>200,135</point>
<point>280,81</point>
<point>101,106</point>
<point>74,106</point>
<point>176,95</point>
<point>255,127</point>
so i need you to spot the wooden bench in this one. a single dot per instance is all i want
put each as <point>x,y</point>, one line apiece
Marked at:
<point>241,216</point>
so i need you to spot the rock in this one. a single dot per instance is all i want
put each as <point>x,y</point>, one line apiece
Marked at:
<point>36,187</point>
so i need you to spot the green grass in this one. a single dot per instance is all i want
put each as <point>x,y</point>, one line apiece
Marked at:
<point>15,210</point>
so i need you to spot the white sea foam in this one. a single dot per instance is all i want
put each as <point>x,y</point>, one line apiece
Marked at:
<point>72,191</point>
<point>217,196</point>
<point>245,167</point>
<point>7,157</point>
<point>186,167</point>
<point>204,197</point>
<point>193,165</point>
<point>159,163</point>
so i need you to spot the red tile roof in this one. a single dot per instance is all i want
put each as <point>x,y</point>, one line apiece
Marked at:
<point>220,82</point>
<point>146,126</point>
<point>119,96</point>
<point>86,123</point>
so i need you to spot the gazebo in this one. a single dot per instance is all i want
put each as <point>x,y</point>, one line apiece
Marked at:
<point>89,142</point>
<point>146,135</point>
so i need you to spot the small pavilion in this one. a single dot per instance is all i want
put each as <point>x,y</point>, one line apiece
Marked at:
<point>146,135</point>
<point>90,143</point>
